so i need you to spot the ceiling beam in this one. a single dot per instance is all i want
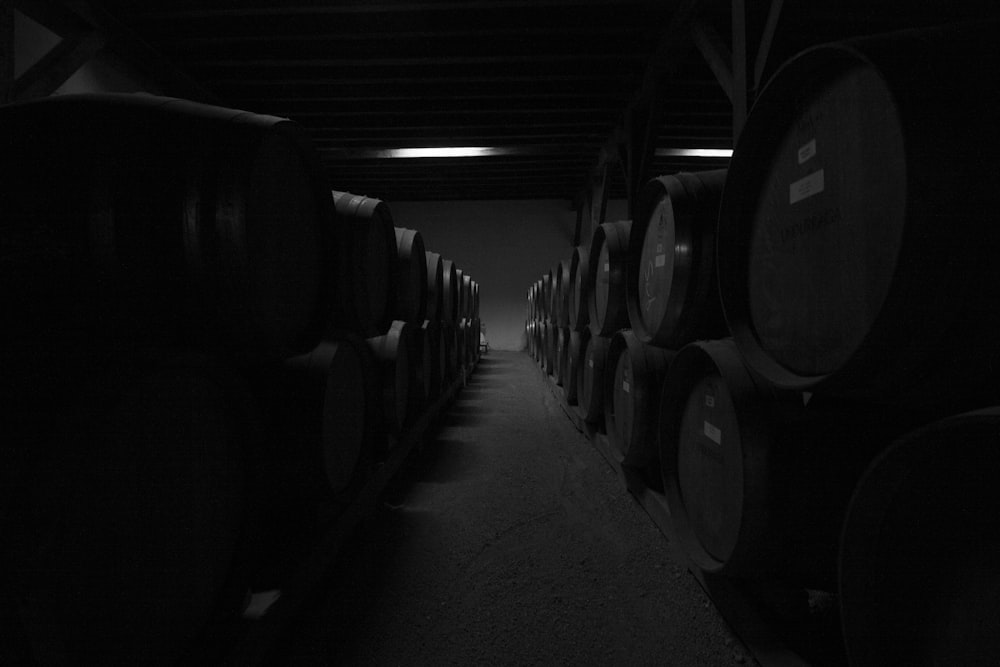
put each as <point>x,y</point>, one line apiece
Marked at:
<point>58,65</point>
<point>366,7</point>
<point>71,17</point>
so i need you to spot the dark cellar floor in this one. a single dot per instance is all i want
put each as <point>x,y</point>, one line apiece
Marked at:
<point>509,540</point>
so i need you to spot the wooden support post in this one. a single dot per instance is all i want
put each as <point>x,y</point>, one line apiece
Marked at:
<point>640,147</point>
<point>715,52</point>
<point>741,88</point>
<point>766,39</point>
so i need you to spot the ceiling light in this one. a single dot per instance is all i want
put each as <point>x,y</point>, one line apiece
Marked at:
<point>443,151</point>
<point>694,152</point>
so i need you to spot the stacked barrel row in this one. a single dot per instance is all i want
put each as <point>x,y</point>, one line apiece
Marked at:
<point>793,335</point>
<point>205,357</point>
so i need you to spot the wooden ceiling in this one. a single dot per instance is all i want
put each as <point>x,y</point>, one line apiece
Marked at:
<point>564,87</point>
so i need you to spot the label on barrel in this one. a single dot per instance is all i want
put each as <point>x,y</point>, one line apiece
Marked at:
<point>709,401</point>
<point>806,187</point>
<point>808,151</point>
<point>713,433</point>
<point>590,363</point>
<point>661,260</point>
<point>625,386</point>
<point>607,267</point>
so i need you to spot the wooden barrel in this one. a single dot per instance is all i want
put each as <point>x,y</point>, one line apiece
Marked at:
<point>474,333</point>
<point>632,385</point>
<point>133,513</point>
<point>590,391</point>
<point>461,345</point>
<point>547,295</point>
<point>367,263</point>
<point>549,347</point>
<point>449,292</point>
<point>562,356</point>
<point>608,264</point>
<point>319,412</point>
<point>466,296</point>
<point>758,483</point>
<point>577,349</point>
<point>435,286</point>
<point>539,300</point>
<point>448,332</point>
<point>918,577</point>
<point>578,315</point>
<point>539,336</point>
<point>460,291</point>
<point>434,366</point>
<point>561,293</point>
<point>391,351</point>
<point>672,293</point>
<point>207,223</point>
<point>834,271</point>
<point>410,299</point>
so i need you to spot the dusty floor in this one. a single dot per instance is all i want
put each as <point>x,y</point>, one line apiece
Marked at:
<point>510,541</point>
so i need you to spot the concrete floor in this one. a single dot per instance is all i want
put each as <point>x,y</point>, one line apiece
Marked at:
<point>510,541</point>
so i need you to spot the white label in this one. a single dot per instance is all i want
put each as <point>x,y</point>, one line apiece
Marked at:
<point>661,260</point>
<point>591,363</point>
<point>713,433</point>
<point>625,387</point>
<point>807,152</point>
<point>710,401</point>
<point>806,187</point>
<point>806,395</point>
<point>607,267</point>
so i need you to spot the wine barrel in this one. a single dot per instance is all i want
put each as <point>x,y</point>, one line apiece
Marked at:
<point>632,385</point>
<point>435,286</point>
<point>590,391</point>
<point>758,483</point>
<point>136,506</point>
<point>322,434</point>
<point>434,362</point>
<point>206,223</point>
<point>562,356</point>
<point>671,293</point>
<point>411,270</point>
<point>577,309</point>
<point>539,296</point>
<point>549,347</point>
<point>607,265</point>
<point>461,346</point>
<point>547,295</point>
<point>320,415</point>
<point>449,292</point>
<point>918,577</point>
<point>460,291</point>
<point>561,293</point>
<point>834,272</point>
<point>451,351</point>
<point>466,288</point>
<point>577,349</point>
<point>391,351</point>
<point>367,263</point>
